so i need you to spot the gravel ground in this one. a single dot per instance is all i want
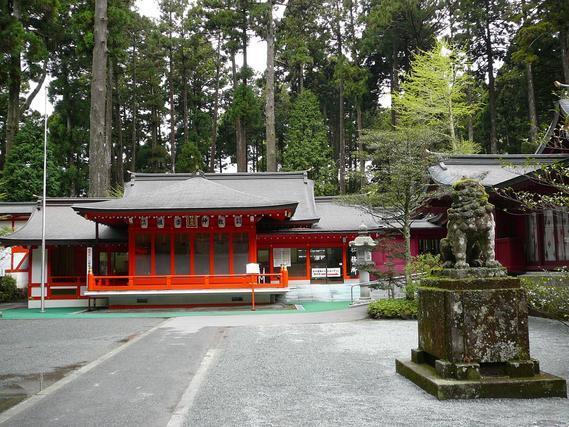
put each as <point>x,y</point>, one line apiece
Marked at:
<point>42,346</point>
<point>344,374</point>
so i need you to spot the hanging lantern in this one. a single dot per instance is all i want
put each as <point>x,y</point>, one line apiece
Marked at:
<point>177,222</point>
<point>238,220</point>
<point>221,221</point>
<point>191,221</point>
<point>160,222</point>
<point>144,222</point>
<point>205,221</point>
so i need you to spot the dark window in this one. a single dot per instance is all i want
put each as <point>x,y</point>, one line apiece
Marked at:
<point>429,246</point>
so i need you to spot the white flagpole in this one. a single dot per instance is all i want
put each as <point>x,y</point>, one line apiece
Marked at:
<point>43,204</point>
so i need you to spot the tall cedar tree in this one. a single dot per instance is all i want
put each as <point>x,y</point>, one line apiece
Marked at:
<point>307,144</point>
<point>99,150</point>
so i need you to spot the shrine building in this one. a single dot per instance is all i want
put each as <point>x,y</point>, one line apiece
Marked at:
<point>226,239</point>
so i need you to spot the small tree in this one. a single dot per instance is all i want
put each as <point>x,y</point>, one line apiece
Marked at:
<point>307,146</point>
<point>22,177</point>
<point>400,185</point>
<point>434,92</point>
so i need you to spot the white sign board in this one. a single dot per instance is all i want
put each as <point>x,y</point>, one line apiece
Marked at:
<point>89,260</point>
<point>320,273</point>
<point>281,256</point>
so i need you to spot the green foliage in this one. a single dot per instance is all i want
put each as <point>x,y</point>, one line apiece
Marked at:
<point>9,292</point>
<point>393,309</point>
<point>434,93</point>
<point>22,177</point>
<point>424,265</point>
<point>189,159</point>
<point>548,296</point>
<point>307,146</point>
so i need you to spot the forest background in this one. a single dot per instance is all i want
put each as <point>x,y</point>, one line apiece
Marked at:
<point>179,94</point>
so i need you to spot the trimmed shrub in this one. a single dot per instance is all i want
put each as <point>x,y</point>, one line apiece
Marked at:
<point>548,296</point>
<point>9,292</point>
<point>393,309</point>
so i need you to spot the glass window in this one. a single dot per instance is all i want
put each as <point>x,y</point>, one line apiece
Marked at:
<point>103,263</point>
<point>297,267</point>
<point>240,252</point>
<point>119,263</point>
<point>263,259</point>
<point>201,253</point>
<point>182,253</point>
<point>142,259</point>
<point>326,265</point>
<point>162,251</point>
<point>221,254</point>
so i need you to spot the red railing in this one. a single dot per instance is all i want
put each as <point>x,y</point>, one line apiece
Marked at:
<point>59,287</point>
<point>187,282</point>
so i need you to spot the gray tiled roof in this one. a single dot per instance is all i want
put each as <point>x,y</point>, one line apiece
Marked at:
<point>274,186</point>
<point>17,208</point>
<point>195,193</point>
<point>63,225</point>
<point>492,170</point>
<point>336,216</point>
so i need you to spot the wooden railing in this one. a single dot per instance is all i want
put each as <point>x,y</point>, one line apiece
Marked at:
<point>187,282</point>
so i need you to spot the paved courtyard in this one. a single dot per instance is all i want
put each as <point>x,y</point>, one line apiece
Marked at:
<point>334,368</point>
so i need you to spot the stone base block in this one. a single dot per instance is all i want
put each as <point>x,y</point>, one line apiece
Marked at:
<point>536,386</point>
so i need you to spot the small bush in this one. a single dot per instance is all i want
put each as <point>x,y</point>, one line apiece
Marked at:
<point>423,264</point>
<point>393,309</point>
<point>9,292</point>
<point>548,296</point>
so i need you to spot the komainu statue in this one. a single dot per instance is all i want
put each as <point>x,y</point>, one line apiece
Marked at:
<point>471,228</point>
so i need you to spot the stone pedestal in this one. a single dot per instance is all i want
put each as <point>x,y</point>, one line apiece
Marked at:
<point>473,341</point>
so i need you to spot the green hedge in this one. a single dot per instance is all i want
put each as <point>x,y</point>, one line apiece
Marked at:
<point>9,292</point>
<point>548,296</point>
<point>393,309</point>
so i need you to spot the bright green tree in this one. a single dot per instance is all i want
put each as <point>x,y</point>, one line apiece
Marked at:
<point>189,159</point>
<point>307,144</point>
<point>22,177</point>
<point>400,183</point>
<point>434,93</point>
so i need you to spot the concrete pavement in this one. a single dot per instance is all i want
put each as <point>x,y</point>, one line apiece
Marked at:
<point>326,368</point>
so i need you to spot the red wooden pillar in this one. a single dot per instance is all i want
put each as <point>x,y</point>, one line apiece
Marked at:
<point>344,262</point>
<point>211,253</point>
<point>252,246</point>
<point>192,261</point>
<point>308,267</point>
<point>153,253</point>
<point>172,254</point>
<point>131,252</point>
<point>230,254</point>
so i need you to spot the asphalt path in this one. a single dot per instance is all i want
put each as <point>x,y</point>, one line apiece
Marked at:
<point>331,368</point>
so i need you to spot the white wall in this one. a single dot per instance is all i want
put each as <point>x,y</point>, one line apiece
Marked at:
<point>36,265</point>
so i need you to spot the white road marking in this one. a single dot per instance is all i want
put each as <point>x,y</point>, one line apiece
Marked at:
<point>186,402</point>
<point>32,400</point>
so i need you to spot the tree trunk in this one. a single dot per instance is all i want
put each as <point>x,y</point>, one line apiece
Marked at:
<point>134,108</point>
<point>119,167</point>
<point>564,39</point>
<point>14,86</point>
<point>491,83</point>
<point>109,116</point>
<point>341,140</point>
<point>215,107</point>
<point>341,130</point>
<point>99,153</point>
<point>531,104</point>
<point>270,101</point>
<point>171,96</point>
<point>240,153</point>
<point>394,86</point>
<point>360,126</point>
